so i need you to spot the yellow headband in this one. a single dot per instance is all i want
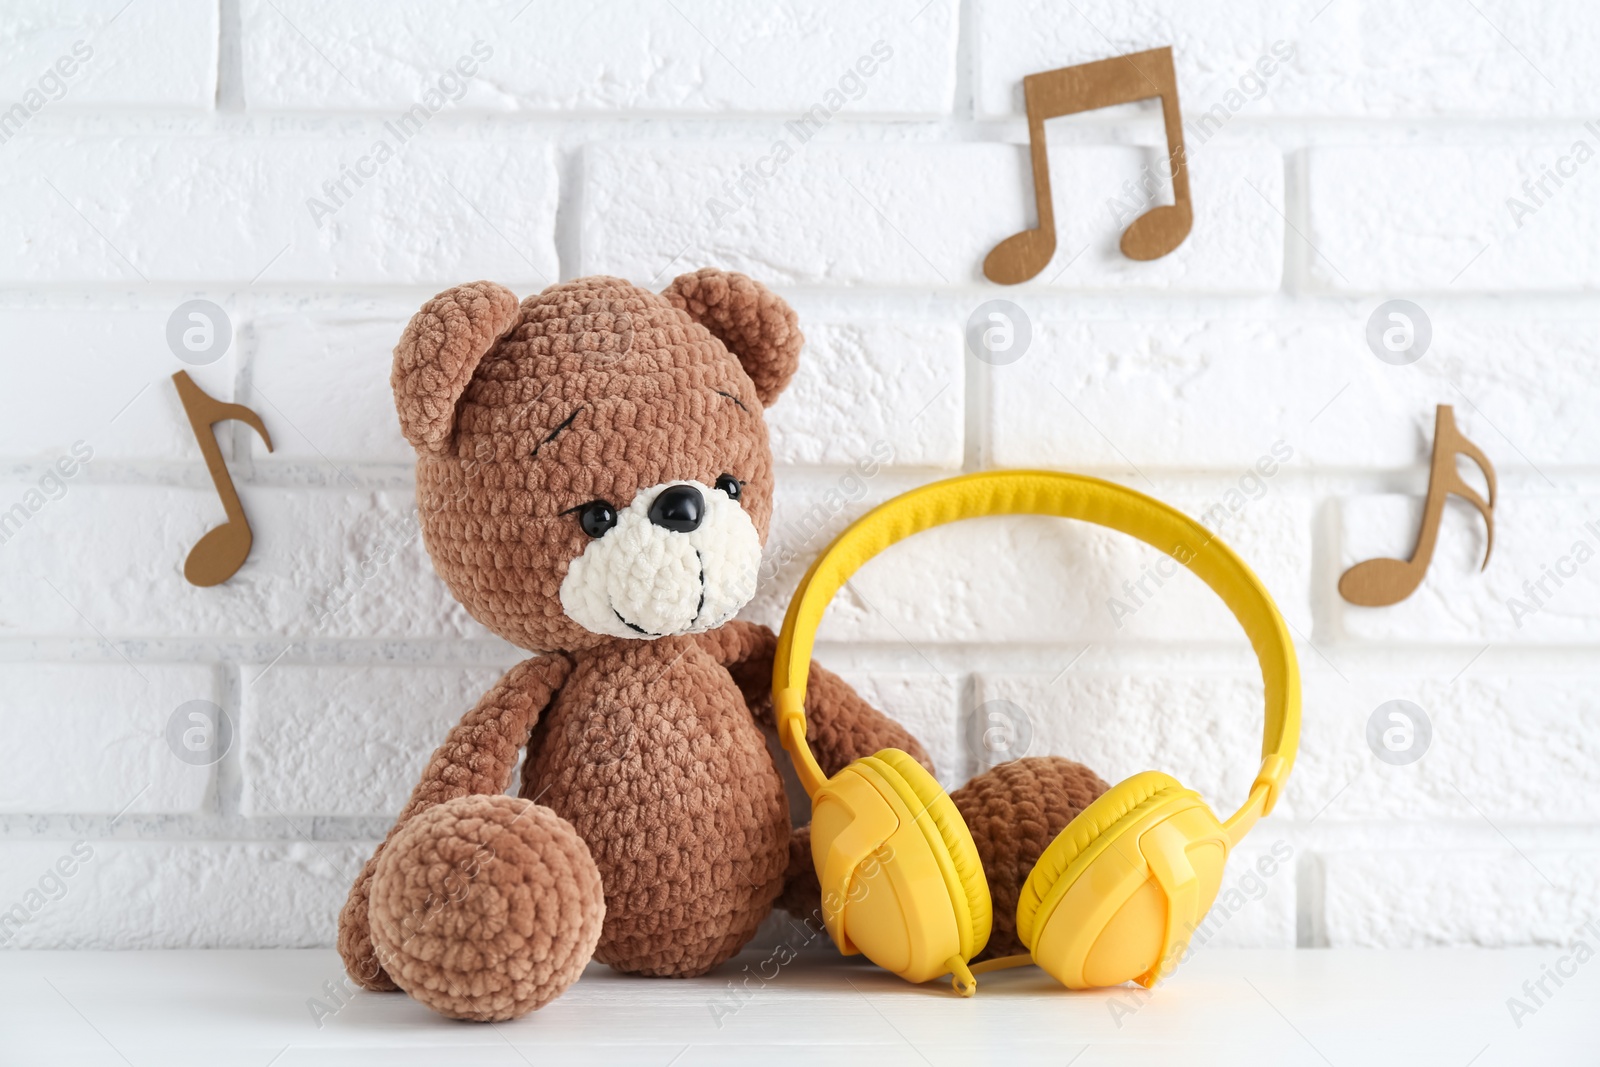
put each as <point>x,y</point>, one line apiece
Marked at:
<point>1071,497</point>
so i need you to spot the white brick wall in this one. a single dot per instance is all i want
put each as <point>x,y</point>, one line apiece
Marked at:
<point>712,58</point>
<point>1349,60</point>
<point>188,209</point>
<point>249,154</point>
<point>911,215</point>
<point>148,56</point>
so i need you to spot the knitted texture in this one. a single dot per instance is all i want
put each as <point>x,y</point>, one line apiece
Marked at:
<point>486,907</point>
<point>840,726</point>
<point>477,757</point>
<point>646,758</point>
<point>1014,811</point>
<point>746,317</point>
<point>651,753</point>
<point>802,889</point>
<point>599,391</point>
<point>438,353</point>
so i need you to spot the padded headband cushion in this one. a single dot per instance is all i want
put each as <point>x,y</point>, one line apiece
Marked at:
<point>1124,800</point>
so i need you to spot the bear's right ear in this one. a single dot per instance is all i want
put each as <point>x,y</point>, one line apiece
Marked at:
<point>439,351</point>
<point>755,324</point>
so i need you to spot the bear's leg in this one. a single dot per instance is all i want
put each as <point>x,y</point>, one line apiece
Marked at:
<point>1014,811</point>
<point>485,907</point>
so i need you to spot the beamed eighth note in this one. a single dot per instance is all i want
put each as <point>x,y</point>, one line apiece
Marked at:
<point>1086,87</point>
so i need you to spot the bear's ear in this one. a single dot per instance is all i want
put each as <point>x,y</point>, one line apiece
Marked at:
<point>439,351</point>
<point>753,321</point>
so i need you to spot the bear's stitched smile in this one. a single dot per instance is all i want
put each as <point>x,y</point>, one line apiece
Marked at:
<point>631,626</point>
<point>701,604</point>
<point>698,608</point>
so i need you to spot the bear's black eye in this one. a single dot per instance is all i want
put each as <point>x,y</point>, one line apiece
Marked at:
<point>730,485</point>
<point>596,517</point>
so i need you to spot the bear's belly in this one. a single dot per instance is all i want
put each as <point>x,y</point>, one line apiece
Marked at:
<point>652,755</point>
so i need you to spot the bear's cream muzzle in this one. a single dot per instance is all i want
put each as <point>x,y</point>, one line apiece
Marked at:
<point>642,580</point>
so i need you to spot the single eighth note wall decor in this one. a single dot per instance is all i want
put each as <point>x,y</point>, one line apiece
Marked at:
<point>1085,87</point>
<point>1377,583</point>
<point>218,555</point>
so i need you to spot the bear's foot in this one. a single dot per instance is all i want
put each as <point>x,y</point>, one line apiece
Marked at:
<point>486,907</point>
<point>1014,811</point>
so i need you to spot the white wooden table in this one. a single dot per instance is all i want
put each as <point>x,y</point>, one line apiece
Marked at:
<point>1313,1007</point>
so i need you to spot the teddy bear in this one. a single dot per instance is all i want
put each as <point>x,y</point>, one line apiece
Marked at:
<point>595,485</point>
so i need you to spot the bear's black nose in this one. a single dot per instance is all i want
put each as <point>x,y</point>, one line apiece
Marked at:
<point>679,508</point>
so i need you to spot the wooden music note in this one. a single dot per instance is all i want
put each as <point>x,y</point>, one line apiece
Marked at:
<point>1085,87</point>
<point>1377,583</point>
<point>222,551</point>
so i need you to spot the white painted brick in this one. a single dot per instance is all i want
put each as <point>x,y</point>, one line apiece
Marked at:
<point>217,209</point>
<point>1361,59</point>
<point>926,704</point>
<point>1402,219</point>
<point>1219,392</point>
<point>144,55</point>
<point>869,385</point>
<point>914,215</point>
<point>122,405</point>
<point>1203,729</point>
<point>92,739</point>
<point>1415,899</point>
<point>327,377</point>
<point>898,384</point>
<point>325,563</point>
<point>202,894</point>
<point>1501,746</point>
<point>348,740</point>
<point>1457,602</point>
<point>807,513</point>
<point>698,56</point>
<point>1033,578</point>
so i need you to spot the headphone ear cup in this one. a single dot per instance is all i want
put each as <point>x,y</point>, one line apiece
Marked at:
<point>1157,853</point>
<point>901,879</point>
<point>958,846</point>
<point>1107,810</point>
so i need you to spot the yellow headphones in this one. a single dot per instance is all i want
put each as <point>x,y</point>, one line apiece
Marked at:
<point>1121,888</point>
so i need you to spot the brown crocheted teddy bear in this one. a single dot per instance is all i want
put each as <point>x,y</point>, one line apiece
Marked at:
<point>595,485</point>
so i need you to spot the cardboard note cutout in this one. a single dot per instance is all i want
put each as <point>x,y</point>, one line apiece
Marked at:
<point>222,551</point>
<point>1085,87</point>
<point>1377,583</point>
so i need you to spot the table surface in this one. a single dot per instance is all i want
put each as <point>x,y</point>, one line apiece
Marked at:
<point>1314,1007</point>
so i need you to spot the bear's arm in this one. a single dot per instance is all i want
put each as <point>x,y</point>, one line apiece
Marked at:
<point>477,757</point>
<point>840,726</point>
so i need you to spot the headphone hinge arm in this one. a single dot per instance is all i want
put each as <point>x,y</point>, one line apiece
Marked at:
<point>789,710</point>
<point>1274,771</point>
<point>1264,792</point>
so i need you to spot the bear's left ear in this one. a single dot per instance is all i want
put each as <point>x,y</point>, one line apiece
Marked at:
<point>436,356</point>
<point>753,321</point>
